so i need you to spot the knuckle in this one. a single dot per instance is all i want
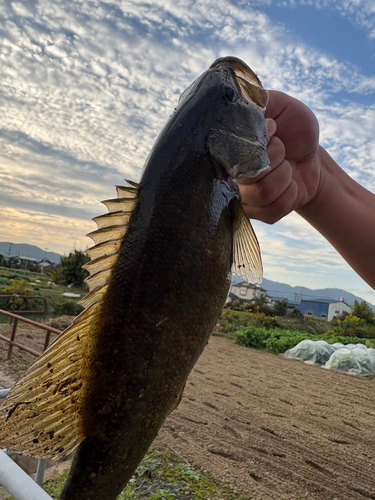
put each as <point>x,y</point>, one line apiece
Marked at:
<point>265,191</point>
<point>276,151</point>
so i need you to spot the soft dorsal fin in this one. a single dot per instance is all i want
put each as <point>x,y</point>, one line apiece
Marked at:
<point>42,415</point>
<point>247,262</point>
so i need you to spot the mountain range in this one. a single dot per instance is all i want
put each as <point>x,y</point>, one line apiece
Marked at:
<point>25,250</point>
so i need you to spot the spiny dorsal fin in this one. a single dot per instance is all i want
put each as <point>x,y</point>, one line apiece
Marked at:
<point>42,415</point>
<point>247,262</point>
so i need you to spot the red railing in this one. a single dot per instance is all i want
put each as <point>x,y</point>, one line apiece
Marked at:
<point>12,342</point>
<point>13,298</point>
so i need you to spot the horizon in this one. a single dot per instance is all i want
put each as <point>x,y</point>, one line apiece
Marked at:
<point>85,91</point>
<point>235,280</point>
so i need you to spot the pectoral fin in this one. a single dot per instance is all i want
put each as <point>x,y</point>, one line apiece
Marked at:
<point>247,262</point>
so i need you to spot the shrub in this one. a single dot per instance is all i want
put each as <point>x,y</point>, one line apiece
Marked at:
<point>18,286</point>
<point>68,307</point>
<point>252,336</point>
<point>281,307</point>
<point>351,326</point>
<point>363,310</point>
<point>282,340</point>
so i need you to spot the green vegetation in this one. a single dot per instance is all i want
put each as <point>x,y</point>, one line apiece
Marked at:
<point>364,312</point>
<point>278,334</point>
<point>38,285</point>
<point>162,475</point>
<point>70,269</point>
<point>281,308</point>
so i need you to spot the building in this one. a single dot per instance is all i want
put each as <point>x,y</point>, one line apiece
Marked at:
<point>247,292</point>
<point>326,309</point>
<point>46,267</point>
<point>292,304</point>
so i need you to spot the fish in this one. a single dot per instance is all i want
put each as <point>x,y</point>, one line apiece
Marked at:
<point>160,271</point>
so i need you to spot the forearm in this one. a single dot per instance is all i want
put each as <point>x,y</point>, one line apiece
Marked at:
<point>344,213</point>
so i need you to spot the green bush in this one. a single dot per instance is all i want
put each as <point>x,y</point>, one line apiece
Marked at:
<point>232,320</point>
<point>282,340</point>
<point>18,286</point>
<point>252,336</point>
<point>67,307</point>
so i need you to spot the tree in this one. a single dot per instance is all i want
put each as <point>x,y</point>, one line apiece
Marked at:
<point>363,310</point>
<point>70,269</point>
<point>281,307</point>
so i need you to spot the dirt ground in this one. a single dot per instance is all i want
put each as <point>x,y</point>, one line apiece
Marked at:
<point>272,428</point>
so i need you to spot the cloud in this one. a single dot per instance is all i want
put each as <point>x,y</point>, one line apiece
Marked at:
<point>86,88</point>
<point>17,223</point>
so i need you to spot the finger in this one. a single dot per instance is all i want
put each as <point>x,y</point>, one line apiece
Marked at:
<point>270,128</point>
<point>269,188</point>
<point>276,154</point>
<point>286,203</point>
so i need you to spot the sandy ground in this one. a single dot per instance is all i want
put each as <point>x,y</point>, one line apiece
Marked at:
<point>273,428</point>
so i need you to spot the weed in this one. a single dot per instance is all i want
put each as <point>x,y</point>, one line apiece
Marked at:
<point>163,475</point>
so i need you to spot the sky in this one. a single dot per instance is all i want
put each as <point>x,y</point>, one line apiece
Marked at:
<point>85,87</point>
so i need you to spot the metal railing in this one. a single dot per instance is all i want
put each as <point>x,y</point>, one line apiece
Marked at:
<point>12,342</point>
<point>19,484</point>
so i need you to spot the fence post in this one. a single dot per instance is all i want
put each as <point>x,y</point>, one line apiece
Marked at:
<point>40,471</point>
<point>47,339</point>
<point>13,336</point>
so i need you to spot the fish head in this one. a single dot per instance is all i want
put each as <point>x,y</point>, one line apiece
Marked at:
<point>237,138</point>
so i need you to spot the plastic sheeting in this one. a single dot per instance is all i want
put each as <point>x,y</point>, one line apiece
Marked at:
<point>314,352</point>
<point>355,359</point>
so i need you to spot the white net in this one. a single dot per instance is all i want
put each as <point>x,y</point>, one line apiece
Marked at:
<point>355,359</point>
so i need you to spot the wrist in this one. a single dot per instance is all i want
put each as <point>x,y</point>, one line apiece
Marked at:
<point>330,177</point>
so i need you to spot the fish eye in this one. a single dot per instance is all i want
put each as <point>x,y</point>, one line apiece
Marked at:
<point>230,93</point>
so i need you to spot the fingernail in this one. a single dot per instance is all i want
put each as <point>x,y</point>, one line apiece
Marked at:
<point>270,128</point>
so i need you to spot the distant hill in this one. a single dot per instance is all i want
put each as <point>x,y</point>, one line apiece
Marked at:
<point>25,250</point>
<point>295,293</point>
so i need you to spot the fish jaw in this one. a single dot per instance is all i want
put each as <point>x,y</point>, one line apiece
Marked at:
<point>240,156</point>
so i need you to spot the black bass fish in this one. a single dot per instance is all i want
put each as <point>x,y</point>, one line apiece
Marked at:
<point>160,271</point>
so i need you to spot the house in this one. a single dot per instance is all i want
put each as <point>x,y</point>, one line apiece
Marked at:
<point>247,292</point>
<point>46,267</point>
<point>325,309</point>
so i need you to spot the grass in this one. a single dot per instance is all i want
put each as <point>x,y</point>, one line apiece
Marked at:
<point>163,475</point>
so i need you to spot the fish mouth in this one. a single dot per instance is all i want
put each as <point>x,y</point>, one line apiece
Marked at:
<point>238,156</point>
<point>228,179</point>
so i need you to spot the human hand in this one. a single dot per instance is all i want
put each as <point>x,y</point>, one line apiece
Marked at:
<point>296,168</point>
